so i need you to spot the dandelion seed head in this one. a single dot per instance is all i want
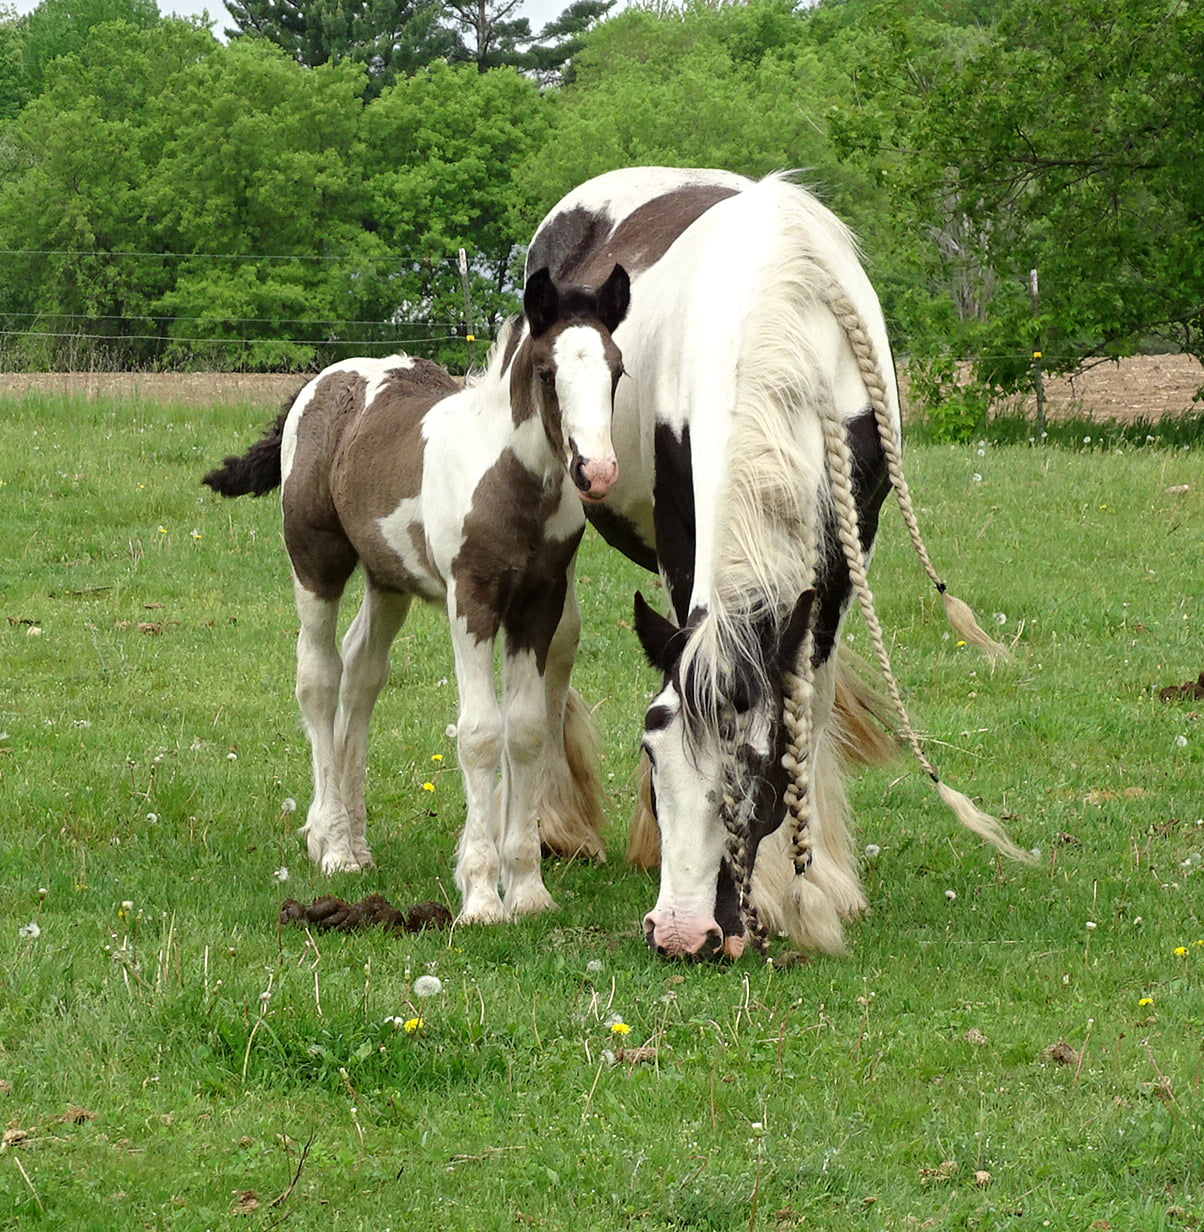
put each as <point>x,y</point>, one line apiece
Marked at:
<point>30,930</point>
<point>1180,742</point>
<point>428,986</point>
<point>281,873</point>
<point>951,895</point>
<point>1091,926</point>
<point>872,850</point>
<point>288,805</point>
<point>231,756</point>
<point>593,967</point>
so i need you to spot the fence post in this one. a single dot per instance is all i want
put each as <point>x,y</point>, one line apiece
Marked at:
<point>1038,382</point>
<point>468,334</point>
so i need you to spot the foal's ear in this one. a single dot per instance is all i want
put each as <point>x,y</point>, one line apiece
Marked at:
<point>614,298</point>
<point>657,635</point>
<point>796,628</point>
<point>541,302</point>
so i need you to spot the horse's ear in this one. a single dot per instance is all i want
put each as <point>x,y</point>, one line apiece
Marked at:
<point>614,298</point>
<point>657,634</point>
<point>796,628</point>
<point>541,302</point>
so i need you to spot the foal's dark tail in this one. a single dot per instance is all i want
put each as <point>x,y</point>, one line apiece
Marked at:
<point>257,471</point>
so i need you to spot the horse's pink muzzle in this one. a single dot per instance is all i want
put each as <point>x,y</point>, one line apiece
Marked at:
<point>674,937</point>
<point>594,477</point>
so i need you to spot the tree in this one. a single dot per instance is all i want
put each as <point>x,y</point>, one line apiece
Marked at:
<point>81,151</point>
<point>62,28</point>
<point>1063,142</point>
<point>443,154</point>
<point>390,38</point>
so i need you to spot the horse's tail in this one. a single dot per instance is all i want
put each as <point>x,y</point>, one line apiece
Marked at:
<point>258,470</point>
<point>840,466</point>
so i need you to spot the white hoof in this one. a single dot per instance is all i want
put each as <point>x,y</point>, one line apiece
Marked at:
<point>530,901</point>
<point>483,909</point>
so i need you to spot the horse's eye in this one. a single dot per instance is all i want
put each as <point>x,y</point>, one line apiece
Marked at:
<point>547,377</point>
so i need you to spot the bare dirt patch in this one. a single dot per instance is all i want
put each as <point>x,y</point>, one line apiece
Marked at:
<point>1142,387</point>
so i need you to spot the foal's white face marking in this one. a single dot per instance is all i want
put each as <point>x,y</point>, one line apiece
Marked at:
<point>585,389</point>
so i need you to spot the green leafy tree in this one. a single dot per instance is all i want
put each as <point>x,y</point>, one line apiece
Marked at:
<point>390,38</point>
<point>62,27</point>
<point>1063,142</point>
<point>256,163</point>
<point>443,154</point>
<point>14,81</point>
<point>82,152</point>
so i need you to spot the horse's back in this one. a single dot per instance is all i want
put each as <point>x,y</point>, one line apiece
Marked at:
<point>353,467</point>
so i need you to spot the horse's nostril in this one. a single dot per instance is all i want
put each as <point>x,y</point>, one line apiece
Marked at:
<point>577,471</point>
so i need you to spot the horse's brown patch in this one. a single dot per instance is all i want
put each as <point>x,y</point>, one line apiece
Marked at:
<point>637,243</point>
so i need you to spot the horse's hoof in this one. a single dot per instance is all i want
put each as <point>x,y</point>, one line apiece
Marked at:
<point>483,910</point>
<point>530,902</point>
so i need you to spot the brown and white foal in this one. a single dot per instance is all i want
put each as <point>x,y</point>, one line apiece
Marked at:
<point>472,497</point>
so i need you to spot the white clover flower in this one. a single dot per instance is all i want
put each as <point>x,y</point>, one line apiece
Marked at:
<point>231,756</point>
<point>976,477</point>
<point>151,818</point>
<point>281,874</point>
<point>428,986</point>
<point>30,930</point>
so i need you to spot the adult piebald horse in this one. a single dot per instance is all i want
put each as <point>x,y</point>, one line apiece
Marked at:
<point>757,437</point>
<point>471,498</point>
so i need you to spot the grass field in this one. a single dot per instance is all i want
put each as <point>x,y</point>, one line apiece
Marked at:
<point>1005,1047</point>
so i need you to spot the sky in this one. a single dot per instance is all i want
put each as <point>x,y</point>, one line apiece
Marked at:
<point>537,12</point>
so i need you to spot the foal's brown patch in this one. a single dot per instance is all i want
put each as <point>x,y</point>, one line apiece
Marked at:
<point>377,454</point>
<point>509,573</point>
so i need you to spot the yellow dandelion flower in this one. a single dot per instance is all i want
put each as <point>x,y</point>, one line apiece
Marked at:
<point>436,757</point>
<point>960,642</point>
<point>619,1028</point>
<point>1146,1001</point>
<point>1181,950</point>
<point>428,786</point>
<point>411,1025</point>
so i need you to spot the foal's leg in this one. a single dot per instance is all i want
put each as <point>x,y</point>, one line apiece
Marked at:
<point>525,735</point>
<point>365,671</point>
<point>327,827</point>
<point>478,743</point>
<point>569,804</point>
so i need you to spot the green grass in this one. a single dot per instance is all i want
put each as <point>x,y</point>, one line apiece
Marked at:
<point>150,767</point>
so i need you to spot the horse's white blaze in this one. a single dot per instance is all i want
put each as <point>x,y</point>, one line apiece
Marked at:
<point>583,384</point>
<point>692,839</point>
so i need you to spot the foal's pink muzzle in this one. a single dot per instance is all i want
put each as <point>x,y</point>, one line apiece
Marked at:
<point>594,477</point>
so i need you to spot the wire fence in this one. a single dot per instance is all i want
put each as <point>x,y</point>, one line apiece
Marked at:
<point>64,336</point>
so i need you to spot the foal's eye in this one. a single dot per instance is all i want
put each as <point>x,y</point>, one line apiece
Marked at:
<point>547,377</point>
